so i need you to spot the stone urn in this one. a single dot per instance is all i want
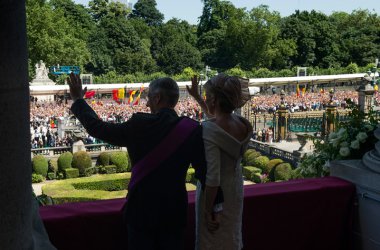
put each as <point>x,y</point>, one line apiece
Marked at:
<point>302,139</point>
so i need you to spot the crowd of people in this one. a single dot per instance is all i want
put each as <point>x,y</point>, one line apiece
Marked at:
<point>307,101</point>
<point>44,116</point>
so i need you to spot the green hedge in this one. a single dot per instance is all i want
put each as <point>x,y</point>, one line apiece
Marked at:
<point>272,163</point>
<point>51,176</point>
<point>40,165</point>
<point>105,185</point>
<point>82,161</point>
<point>64,161</point>
<point>120,160</point>
<point>251,157</point>
<point>246,154</point>
<point>71,173</point>
<point>53,165</point>
<point>110,169</point>
<point>262,163</point>
<point>249,170</point>
<point>256,177</point>
<point>283,171</point>
<point>36,178</point>
<point>104,159</point>
<point>64,191</point>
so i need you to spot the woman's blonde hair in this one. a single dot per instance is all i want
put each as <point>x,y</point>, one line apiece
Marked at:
<point>231,92</point>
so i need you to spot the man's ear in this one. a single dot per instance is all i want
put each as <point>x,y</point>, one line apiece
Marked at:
<point>157,98</point>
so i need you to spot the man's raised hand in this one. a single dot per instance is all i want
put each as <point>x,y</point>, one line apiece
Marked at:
<point>193,90</point>
<point>75,85</point>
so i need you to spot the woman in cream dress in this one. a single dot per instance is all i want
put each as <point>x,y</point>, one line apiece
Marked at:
<point>226,137</point>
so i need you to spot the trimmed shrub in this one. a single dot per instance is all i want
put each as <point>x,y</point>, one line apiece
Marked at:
<point>262,163</point>
<point>296,173</point>
<point>89,171</point>
<point>190,175</point>
<point>64,161</point>
<point>256,177</point>
<point>81,161</point>
<point>36,178</point>
<point>104,159</point>
<point>283,171</point>
<point>53,166</point>
<point>106,185</point>
<point>71,173</point>
<point>272,163</point>
<point>40,165</point>
<point>246,154</point>
<point>120,160</point>
<point>248,171</point>
<point>110,169</point>
<point>51,176</point>
<point>252,157</point>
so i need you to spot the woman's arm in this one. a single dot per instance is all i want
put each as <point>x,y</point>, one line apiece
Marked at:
<point>193,91</point>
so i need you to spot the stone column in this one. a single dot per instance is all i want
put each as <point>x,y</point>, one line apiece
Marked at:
<point>366,97</point>
<point>282,123</point>
<point>15,164</point>
<point>330,121</point>
<point>365,174</point>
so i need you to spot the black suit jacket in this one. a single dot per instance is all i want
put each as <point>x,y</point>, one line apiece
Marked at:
<point>160,199</point>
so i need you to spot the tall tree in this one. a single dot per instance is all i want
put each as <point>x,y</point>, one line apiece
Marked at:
<point>51,38</point>
<point>173,46</point>
<point>359,36</point>
<point>147,11</point>
<point>315,36</point>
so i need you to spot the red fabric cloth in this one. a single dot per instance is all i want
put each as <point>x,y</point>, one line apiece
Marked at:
<point>309,214</point>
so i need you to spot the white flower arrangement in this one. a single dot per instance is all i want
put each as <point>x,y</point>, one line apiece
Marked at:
<point>344,151</point>
<point>362,136</point>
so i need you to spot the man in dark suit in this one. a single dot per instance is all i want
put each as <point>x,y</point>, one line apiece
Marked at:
<point>157,206</point>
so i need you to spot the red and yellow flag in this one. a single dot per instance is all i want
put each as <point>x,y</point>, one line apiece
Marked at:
<point>131,94</point>
<point>120,93</point>
<point>139,95</point>
<point>298,90</point>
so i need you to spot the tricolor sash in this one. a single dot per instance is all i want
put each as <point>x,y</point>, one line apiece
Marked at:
<point>162,151</point>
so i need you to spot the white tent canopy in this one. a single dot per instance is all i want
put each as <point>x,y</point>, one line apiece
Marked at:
<point>253,83</point>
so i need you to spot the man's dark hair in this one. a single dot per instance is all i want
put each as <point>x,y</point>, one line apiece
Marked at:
<point>167,88</point>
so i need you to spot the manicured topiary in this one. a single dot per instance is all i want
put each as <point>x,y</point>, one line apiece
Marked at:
<point>251,158</point>
<point>248,171</point>
<point>71,173</point>
<point>51,176</point>
<point>283,171</point>
<point>120,160</point>
<point>256,177</point>
<point>110,169</point>
<point>82,161</point>
<point>36,178</point>
<point>246,154</point>
<point>190,175</point>
<point>53,166</point>
<point>272,163</point>
<point>64,161</point>
<point>104,159</point>
<point>90,171</point>
<point>297,174</point>
<point>262,163</point>
<point>40,165</point>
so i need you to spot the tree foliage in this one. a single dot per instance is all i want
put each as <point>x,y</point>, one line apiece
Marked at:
<point>107,38</point>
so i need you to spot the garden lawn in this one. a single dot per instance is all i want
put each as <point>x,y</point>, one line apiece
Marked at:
<point>96,187</point>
